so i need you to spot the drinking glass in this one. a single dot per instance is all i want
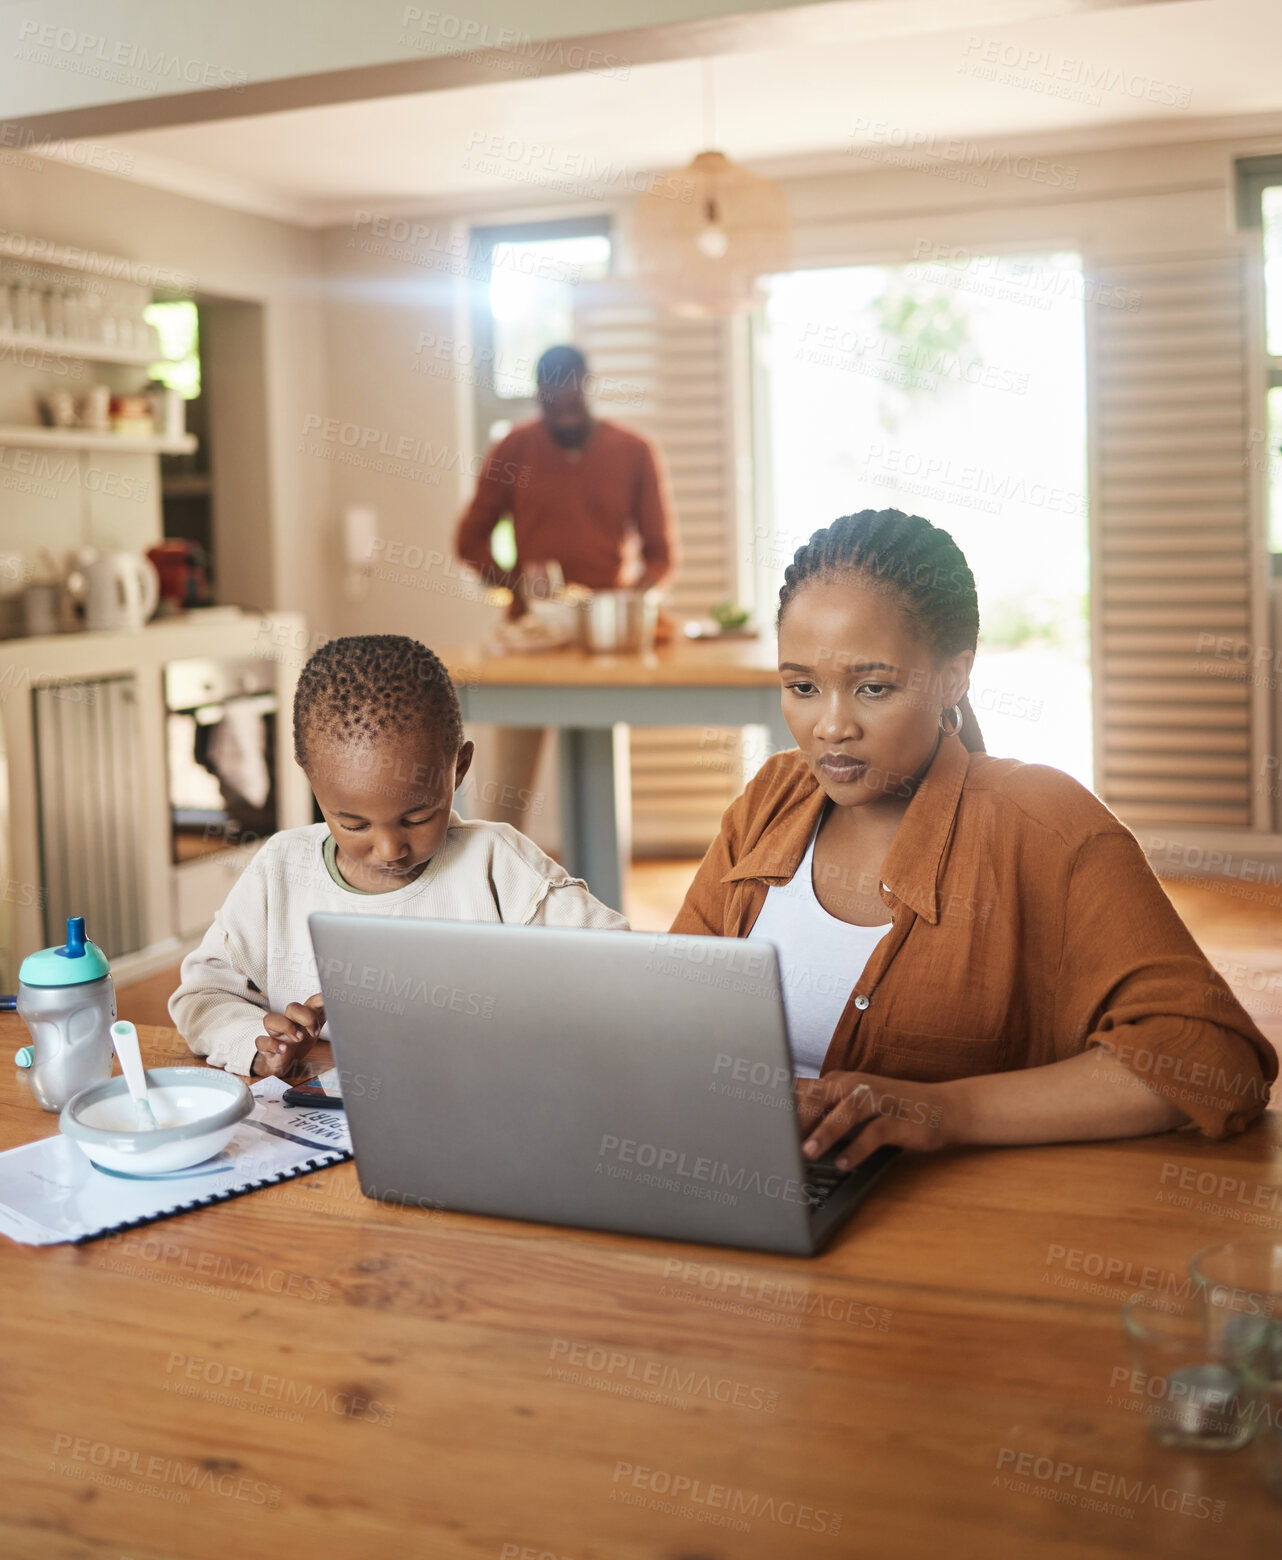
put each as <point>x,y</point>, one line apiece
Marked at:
<point>1193,1394</point>
<point>1239,1286</point>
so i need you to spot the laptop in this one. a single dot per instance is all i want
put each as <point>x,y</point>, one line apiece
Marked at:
<point>615,1081</point>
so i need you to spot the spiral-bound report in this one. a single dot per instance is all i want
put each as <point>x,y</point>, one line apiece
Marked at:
<point>50,1192</point>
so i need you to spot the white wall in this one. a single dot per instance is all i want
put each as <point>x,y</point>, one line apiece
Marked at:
<point>394,431</point>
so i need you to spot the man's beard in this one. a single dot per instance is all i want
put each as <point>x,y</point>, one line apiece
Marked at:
<point>571,438</point>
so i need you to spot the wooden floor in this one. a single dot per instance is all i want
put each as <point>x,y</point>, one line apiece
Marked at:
<point>1241,936</point>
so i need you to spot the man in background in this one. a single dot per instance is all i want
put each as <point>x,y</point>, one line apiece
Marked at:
<point>575,487</point>
<point>581,492</point>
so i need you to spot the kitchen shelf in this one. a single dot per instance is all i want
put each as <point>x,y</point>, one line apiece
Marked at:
<point>22,437</point>
<point>78,347</point>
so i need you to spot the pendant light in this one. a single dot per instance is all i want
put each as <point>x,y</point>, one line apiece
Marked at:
<point>702,236</point>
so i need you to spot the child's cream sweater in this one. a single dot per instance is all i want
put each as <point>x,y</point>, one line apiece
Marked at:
<point>257,956</point>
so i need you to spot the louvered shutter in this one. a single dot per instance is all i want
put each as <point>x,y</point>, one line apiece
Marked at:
<point>672,380</point>
<point>1172,540</point>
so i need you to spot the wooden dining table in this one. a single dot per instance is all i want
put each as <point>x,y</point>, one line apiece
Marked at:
<point>304,1372</point>
<point>592,700</point>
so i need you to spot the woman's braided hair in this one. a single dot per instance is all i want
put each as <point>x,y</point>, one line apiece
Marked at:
<point>904,554</point>
<point>371,685</point>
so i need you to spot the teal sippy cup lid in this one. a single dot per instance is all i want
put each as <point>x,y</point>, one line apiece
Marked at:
<point>76,962</point>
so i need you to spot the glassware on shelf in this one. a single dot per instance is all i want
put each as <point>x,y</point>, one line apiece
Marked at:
<point>93,317</point>
<point>28,319</point>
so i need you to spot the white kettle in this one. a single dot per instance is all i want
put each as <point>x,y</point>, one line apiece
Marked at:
<point>119,590</point>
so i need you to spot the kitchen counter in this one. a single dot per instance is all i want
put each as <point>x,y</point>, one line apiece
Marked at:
<point>686,663</point>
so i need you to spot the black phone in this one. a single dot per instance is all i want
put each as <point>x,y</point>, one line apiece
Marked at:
<point>311,1093</point>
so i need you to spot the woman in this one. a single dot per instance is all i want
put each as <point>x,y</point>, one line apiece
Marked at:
<point>971,949</point>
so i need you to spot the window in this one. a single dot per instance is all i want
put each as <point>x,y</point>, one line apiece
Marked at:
<point>532,302</point>
<point>526,306</point>
<point>180,343</point>
<point>1260,207</point>
<point>956,391</point>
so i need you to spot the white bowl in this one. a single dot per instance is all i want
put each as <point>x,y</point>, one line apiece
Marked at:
<point>198,1110</point>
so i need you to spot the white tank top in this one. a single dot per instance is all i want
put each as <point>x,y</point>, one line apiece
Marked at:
<point>820,960</point>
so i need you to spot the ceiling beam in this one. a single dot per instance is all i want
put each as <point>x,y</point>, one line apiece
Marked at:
<point>816,25</point>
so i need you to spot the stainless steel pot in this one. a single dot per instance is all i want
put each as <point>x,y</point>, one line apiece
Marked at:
<point>619,622</point>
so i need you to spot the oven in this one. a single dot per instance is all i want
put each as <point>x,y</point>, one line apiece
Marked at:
<point>220,734</point>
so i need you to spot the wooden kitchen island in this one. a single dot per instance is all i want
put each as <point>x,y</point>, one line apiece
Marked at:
<point>305,1374</point>
<point>593,699</point>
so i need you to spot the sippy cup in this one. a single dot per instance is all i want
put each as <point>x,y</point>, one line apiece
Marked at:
<point>68,1002</point>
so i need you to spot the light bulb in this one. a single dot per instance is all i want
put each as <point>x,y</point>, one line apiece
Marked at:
<point>712,241</point>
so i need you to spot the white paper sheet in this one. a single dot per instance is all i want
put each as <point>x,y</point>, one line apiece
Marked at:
<point>51,1192</point>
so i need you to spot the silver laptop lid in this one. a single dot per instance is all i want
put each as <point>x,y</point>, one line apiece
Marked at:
<point>618,1081</point>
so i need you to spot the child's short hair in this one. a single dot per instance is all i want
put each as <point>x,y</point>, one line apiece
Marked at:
<point>371,685</point>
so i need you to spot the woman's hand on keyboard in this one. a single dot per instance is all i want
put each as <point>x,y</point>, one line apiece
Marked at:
<point>855,1113</point>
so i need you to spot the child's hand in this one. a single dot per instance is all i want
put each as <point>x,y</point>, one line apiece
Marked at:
<point>288,1038</point>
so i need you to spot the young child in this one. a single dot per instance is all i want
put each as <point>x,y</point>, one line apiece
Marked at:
<point>379,734</point>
